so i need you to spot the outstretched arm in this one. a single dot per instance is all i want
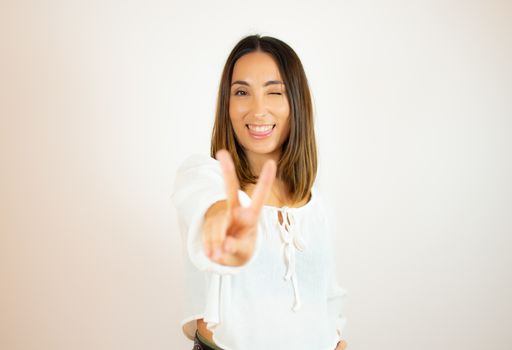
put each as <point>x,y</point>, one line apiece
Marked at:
<point>229,230</point>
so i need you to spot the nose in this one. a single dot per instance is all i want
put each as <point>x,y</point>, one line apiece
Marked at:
<point>259,107</point>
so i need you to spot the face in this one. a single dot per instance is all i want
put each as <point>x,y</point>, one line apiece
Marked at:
<point>258,105</point>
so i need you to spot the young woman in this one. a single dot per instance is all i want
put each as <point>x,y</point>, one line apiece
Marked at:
<point>260,264</point>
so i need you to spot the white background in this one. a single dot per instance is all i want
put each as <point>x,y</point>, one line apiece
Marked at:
<point>101,100</point>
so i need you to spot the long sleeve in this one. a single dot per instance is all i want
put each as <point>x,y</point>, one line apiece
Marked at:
<point>336,295</point>
<point>336,300</point>
<point>198,185</point>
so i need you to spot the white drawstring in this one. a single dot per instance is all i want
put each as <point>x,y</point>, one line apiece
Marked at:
<point>290,234</point>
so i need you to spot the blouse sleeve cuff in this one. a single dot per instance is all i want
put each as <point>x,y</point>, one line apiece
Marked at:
<point>195,243</point>
<point>337,301</point>
<point>340,326</point>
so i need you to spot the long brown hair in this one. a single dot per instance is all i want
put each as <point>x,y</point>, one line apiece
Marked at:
<point>297,166</point>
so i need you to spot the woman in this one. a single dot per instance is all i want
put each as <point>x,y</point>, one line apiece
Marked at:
<point>260,267</point>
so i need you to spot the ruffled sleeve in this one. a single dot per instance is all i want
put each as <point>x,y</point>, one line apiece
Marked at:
<point>198,185</point>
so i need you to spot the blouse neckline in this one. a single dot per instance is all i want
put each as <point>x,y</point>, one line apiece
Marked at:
<point>305,206</point>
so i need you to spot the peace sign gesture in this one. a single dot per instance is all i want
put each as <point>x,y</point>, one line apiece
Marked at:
<point>229,230</point>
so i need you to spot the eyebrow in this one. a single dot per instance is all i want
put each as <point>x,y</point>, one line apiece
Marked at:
<point>270,82</point>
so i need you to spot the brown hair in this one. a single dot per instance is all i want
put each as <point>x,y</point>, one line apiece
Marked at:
<point>297,166</point>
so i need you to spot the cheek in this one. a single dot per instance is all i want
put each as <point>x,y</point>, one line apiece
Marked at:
<point>236,117</point>
<point>285,122</point>
<point>283,115</point>
<point>281,111</point>
<point>237,110</point>
<point>286,129</point>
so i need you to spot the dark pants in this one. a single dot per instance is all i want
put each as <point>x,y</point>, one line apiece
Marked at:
<point>199,345</point>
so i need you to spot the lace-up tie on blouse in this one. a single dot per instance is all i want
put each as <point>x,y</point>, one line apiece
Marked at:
<point>290,235</point>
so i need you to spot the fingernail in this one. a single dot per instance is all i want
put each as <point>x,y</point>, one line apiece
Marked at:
<point>216,253</point>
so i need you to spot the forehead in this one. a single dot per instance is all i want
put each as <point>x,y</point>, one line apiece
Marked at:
<point>256,67</point>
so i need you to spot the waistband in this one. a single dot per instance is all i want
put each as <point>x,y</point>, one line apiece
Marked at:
<point>200,343</point>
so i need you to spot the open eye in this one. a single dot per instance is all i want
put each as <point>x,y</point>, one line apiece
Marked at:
<point>243,93</point>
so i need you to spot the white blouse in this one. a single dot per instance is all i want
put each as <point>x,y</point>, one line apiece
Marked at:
<point>285,297</point>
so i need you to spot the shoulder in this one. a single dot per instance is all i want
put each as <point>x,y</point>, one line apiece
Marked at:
<point>198,170</point>
<point>322,205</point>
<point>197,159</point>
<point>199,162</point>
<point>316,195</point>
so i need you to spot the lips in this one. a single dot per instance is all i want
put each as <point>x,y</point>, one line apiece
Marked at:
<point>260,131</point>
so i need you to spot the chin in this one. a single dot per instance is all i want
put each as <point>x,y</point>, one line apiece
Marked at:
<point>262,149</point>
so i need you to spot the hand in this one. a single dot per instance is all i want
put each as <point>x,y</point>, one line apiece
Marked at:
<point>342,345</point>
<point>229,230</point>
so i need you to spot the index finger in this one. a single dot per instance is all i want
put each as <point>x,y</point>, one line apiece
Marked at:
<point>230,179</point>
<point>264,185</point>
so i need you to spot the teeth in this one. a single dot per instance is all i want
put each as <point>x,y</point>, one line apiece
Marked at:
<point>260,128</point>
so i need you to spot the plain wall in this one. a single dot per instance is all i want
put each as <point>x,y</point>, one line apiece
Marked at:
<point>101,100</point>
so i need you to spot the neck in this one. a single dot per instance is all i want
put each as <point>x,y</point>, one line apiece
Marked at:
<point>279,194</point>
<point>256,160</point>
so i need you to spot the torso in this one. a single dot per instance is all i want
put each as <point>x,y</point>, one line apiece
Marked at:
<point>274,201</point>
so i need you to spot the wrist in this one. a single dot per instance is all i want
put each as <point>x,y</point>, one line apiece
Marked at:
<point>216,209</point>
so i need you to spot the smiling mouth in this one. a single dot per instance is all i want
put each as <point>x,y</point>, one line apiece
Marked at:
<point>261,128</point>
<point>260,131</point>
